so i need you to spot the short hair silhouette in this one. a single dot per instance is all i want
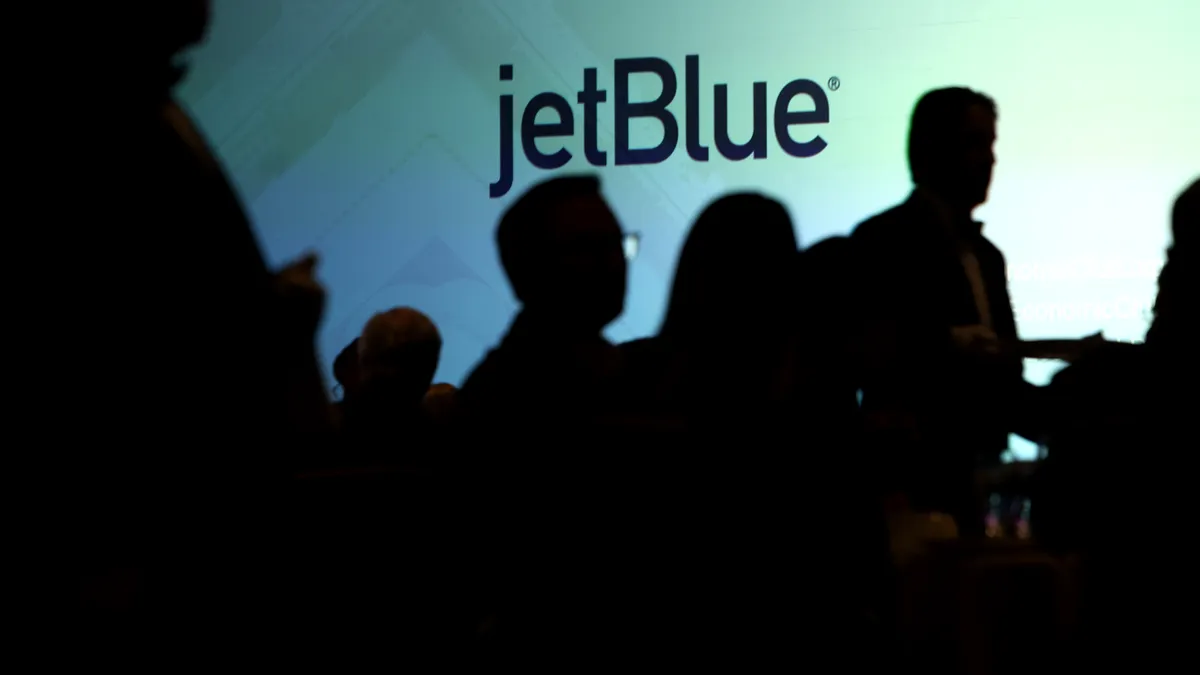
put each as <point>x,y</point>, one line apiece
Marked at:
<point>934,118</point>
<point>401,342</point>
<point>523,237</point>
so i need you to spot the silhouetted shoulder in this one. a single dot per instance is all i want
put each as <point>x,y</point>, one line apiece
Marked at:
<point>642,350</point>
<point>882,226</point>
<point>984,246</point>
<point>481,377</point>
<point>644,363</point>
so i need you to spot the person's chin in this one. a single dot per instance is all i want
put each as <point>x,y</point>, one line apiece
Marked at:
<point>195,37</point>
<point>194,30</point>
<point>979,197</point>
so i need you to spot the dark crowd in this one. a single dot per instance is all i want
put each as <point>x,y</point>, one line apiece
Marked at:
<point>747,490</point>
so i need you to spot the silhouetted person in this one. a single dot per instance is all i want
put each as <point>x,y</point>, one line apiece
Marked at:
<point>829,297</point>
<point>398,355</point>
<point>204,374</point>
<point>561,248</point>
<point>535,410</point>
<point>239,337</point>
<point>941,376</point>
<point>753,466</point>
<point>440,404</point>
<point>722,356</point>
<point>1113,489</point>
<point>721,363</point>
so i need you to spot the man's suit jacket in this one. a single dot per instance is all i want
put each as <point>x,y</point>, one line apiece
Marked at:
<point>916,290</point>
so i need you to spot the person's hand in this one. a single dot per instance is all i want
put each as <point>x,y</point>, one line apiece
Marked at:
<point>1092,343</point>
<point>302,296</point>
<point>977,340</point>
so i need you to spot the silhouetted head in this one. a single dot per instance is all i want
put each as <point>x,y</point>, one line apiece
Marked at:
<point>561,248</point>
<point>439,402</point>
<point>399,350</point>
<point>739,256</point>
<point>950,143</point>
<point>346,370</point>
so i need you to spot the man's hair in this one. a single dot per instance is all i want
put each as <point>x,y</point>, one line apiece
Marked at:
<point>521,236</point>
<point>401,342</point>
<point>936,113</point>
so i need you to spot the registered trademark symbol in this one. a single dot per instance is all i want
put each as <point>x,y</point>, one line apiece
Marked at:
<point>834,84</point>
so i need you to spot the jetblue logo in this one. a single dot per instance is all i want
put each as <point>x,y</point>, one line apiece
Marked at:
<point>591,96</point>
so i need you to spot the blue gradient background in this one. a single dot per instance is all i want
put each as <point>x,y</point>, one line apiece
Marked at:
<point>367,130</point>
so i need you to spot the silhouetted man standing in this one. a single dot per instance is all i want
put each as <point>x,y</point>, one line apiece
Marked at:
<point>199,373</point>
<point>561,248</point>
<point>941,377</point>
<point>1123,418</point>
<point>533,410</point>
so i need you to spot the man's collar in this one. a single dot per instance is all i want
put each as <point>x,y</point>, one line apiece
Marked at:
<point>529,325</point>
<point>943,213</point>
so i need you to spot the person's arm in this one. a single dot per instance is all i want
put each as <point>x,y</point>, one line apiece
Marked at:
<point>902,338</point>
<point>301,301</point>
<point>1023,405</point>
<point>263,324</point>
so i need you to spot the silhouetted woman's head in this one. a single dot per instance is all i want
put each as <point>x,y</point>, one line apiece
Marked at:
<point>735,274</point>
